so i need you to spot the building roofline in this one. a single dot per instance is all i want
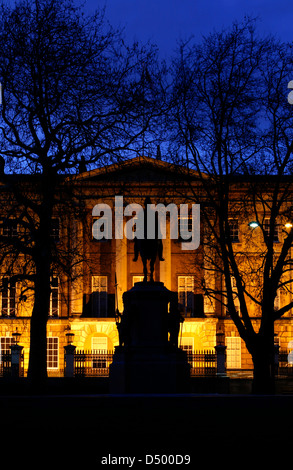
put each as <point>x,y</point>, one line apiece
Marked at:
<point>135,162</point>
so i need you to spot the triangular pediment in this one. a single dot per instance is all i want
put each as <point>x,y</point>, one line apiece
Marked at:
<point>136,169</point>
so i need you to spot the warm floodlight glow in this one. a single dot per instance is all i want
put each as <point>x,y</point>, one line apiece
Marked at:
<point>69,337</point>
<point>288,225</point>
<point>16,335</point>
<point>253,224</point>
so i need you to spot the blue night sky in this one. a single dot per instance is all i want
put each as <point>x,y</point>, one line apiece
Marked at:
<point>164,21</point>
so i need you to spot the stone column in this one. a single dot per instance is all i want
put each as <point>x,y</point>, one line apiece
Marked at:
<point>69,360</point>
<point>221,359</point>
<point>77,285</point>
<point>121,269</point>
<point>165,267</point>
<point>16,360</point>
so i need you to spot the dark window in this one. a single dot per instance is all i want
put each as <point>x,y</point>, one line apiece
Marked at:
<point>266,227</point>
<point>234,230</point>
<point>9,228</point>
<point>55,230</point>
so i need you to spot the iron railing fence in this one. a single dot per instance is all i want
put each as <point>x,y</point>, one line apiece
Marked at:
<point>202,362</point>
<point>92,363</point>
<point>5,364</point>
<point>96,363</point>
<point>285,363</point>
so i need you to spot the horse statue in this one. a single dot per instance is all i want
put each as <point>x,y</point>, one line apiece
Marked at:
<point>148,249</point>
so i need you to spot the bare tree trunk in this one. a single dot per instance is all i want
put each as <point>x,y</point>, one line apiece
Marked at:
<point>263,376</point>
<point>37,371</point>
<point>263,361</point>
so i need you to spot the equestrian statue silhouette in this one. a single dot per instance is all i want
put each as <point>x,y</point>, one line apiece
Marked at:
<point>148,249</point>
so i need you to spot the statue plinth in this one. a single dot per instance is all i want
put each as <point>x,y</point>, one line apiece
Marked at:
<point>146,360</point>
<point>147,306</point>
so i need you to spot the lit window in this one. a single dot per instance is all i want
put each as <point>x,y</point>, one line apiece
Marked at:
<point>235,295</point>
<point>8,297</point>
<point>99,296</point>
<point>54,297</point>
<point>186,293</point>
<point>99,350</point>
<point>52,353</point>
<point>137,279</point>
<point>233,344</point>
<point>5,343</point>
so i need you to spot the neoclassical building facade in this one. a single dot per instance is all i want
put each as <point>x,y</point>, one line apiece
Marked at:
<point>86,303</point>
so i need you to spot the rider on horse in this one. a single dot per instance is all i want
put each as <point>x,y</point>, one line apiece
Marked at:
<point>148,249</point>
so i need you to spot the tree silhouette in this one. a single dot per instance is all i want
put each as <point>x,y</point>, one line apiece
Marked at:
<point>231,129</point>
<point>72,98</point>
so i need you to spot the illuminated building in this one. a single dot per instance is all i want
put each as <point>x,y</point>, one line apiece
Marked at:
<point>85,305</point>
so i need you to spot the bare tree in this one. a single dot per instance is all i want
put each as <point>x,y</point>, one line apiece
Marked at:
<point>73,94</point>
<point>232,131</point>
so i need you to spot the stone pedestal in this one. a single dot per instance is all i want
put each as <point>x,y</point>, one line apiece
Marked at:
<point>69,360</point>
<point>221,359</point>
<point>16,351</point>
<point>146,361</point>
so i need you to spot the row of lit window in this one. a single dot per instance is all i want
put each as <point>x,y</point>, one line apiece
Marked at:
<point>52,350</point>
<point>186,222</point>
<point>234,229</point>
<point>9,297</point>
<point>12,228</point>
<point>99,290</point>
<point>101,344</point>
